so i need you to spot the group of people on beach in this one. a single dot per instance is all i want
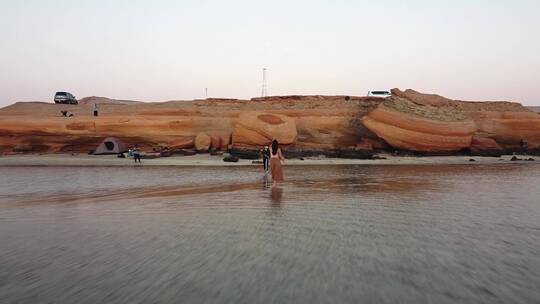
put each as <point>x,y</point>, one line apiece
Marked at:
<point>272,160</point>
<point>272,156</point>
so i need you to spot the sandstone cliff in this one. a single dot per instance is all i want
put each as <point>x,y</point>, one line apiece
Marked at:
<point>299,122</point>
<point>408,121</point>
<point>431,123</point>
<point>426,127</point>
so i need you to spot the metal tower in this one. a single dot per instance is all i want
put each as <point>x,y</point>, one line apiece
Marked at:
<point>264,92</point>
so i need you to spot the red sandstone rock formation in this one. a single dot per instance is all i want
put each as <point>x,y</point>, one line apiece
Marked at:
<point>254,129</point>
<point>504,122</point>
<point>321,122</point>
<point>203,142</point>
<point>181,143</point>
<point>431,123</point>
<point>428,127</point>
<point>408,120</point>
<point>485,146</point>
<point>507,126</point>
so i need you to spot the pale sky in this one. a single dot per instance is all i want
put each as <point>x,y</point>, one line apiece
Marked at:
<point>172,49</point>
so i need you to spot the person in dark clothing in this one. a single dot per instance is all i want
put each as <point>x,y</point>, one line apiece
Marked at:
<point>66,114</point>
<point>95,109</point>
<point>266,158</point>
<point>524,146</point>
<point>136,154</point>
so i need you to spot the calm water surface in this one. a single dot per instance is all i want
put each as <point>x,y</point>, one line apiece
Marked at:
<point>344,234</point>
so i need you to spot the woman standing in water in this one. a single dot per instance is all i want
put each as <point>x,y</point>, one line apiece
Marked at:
<point>276,157</point>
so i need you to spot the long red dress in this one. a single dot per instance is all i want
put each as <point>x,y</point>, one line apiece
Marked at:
<point>276,167</point>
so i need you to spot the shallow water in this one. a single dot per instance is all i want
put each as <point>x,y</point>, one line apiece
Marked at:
<point>343,234</point>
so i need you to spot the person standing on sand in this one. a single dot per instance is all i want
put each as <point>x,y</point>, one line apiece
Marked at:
<point>136,154</point>
<point>95,109</point>
<point>276,157</point>
<point>266,159</point>
<point>524,146</point>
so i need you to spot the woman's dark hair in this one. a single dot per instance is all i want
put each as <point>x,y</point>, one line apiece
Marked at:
<point>275,146</point>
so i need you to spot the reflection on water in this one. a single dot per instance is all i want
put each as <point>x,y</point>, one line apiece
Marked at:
<point>276,195</point>
<point>343,234</point>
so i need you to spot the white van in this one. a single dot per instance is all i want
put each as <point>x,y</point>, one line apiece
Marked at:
<point>382,94</point>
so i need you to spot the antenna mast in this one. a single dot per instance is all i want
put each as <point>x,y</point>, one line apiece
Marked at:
<point>264,92</point>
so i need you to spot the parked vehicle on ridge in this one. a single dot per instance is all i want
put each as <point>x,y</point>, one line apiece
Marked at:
<point>382,94</point>
<point>65,97</point>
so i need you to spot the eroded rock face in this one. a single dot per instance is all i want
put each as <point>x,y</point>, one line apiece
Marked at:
<point>181,143</point>
<point>431,123</point>
<point>508,125</point>
<point>483,146</point>
<point>505,122</point>
<point>254,129</point>
<point>407,125</point>
<point>304,125</point>
<point>483,143</point>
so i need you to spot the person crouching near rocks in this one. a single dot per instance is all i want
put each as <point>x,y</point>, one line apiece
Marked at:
<point>276,157</point>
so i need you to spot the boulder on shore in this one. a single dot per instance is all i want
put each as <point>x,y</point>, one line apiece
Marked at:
<point>231,159</point>
<point>203,142</point>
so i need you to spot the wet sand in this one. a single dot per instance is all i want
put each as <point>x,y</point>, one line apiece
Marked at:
<point>58,160</point>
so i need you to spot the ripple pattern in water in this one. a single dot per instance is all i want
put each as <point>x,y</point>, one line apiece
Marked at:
<point>381,234</point>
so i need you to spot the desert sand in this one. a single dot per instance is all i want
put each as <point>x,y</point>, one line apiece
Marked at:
<point>58,160</point>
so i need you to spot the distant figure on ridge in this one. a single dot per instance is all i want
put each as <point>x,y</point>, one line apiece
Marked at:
<point>276,157</point>
<point>95,109</point>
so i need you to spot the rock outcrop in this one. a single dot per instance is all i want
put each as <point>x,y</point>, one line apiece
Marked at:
<point>431,123</point>
<point>483,146</point>
<point>319,122</point>
<point>339,126</point>
<point>181,143</point>
<point>506,123</point>
<point>254,129</point>
<point>422,127</point>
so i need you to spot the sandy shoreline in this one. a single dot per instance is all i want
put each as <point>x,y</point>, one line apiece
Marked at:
<point>68,160</point>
